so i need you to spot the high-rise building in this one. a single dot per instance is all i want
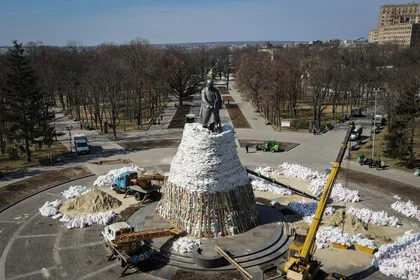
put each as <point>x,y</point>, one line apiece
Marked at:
<point>399,23</point>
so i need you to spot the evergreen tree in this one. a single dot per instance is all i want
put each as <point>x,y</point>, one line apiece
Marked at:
<point>24,101</point>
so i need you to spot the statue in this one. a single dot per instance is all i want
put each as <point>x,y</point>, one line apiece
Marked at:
<point>211,103</point>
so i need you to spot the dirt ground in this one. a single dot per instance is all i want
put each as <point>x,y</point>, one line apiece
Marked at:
<point>179,120</point>
<point>17,191</point>
<point>228,98</point>
<point>183,274</point>
<point>383,185</point>
<point>150,144</point>
<point>237,117</point>
<point>223,90</point>
<point>111,161</point>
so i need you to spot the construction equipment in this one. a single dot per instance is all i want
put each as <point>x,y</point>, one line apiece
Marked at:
<point>139,185</point>
<point>270,145</point>
<point>300,264</point>
<point>130,247</point>
<point>81,144</point>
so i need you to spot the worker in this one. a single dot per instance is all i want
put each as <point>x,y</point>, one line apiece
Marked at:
<point>247,147</point>
<point>158,121</point>
<point>314,129</point>
<point>81,126</point>
<point>161,117</point>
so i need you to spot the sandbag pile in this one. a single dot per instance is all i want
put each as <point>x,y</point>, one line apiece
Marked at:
<point>336,235</point>
<point>50,208</point>
<point>318,181</point>
<point>407,209</point>
<point>267,171</point>
<point>108,179</point>
<point>378,218</point>
<point>259,184</point>
<point>82,221</point>
<point>307,209</point>
<point>185,245</point>
<point>74,191</point>
<point>400,259</point>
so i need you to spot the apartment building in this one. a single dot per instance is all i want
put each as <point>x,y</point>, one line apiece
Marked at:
<point>399,23</point>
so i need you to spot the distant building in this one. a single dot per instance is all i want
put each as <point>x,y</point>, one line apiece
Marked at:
<point>398,23</point>
<point>373,36</point>
<point>316,42</point>
<point>267,45</point>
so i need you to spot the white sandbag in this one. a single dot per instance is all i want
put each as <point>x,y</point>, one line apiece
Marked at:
<point>108,179</point>
<point>259,184</point>
<point>407,209</point>
<point>378,218</point>
<point>50,208</point>
<point>307,209</point>
<point>185,245</point>
<point>74,191</point>
<point>102,218</point>
<point>318,181</point>
<point>400,259</point>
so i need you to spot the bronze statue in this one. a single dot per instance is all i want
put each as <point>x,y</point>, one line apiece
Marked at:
<point>211,103</point>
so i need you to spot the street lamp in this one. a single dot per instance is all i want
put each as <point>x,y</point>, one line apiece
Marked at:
<point>69,128</point>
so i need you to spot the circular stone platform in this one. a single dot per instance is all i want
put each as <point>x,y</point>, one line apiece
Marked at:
<point>259,245</point>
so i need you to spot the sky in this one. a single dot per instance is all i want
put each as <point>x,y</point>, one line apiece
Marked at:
<point>92,22</point>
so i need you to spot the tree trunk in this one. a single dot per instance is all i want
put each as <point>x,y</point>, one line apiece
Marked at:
<point>28,151</point>
<point>411,156</point>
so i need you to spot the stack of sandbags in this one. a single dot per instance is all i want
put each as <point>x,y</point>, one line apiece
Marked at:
<point>81,221</point>
<point>259,184</point>
<point>307,209</point>
<point>185,245</point>
<point>378,218</point>
<point>50,208</point>
<point>74,191</point>
<point>400,259</point>
<point>407,209</point>
<point>108,179</point>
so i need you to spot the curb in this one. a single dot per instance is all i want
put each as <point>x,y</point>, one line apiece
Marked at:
<point>61,183</point>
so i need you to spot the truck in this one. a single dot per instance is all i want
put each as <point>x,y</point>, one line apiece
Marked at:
<point>130,183</point>
<point>81,144</point>
<point>130,247</point>
<point>300,264</point>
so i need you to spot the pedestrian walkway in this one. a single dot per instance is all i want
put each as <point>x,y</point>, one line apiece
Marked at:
<point>165,117</point>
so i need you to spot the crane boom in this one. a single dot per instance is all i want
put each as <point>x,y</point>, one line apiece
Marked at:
<point>300,264</point>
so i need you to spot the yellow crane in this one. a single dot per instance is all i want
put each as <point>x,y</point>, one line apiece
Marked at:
<point>300,265</point>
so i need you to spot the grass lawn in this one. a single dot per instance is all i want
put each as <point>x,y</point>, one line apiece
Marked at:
<point>7,166</point>
<point>366,149</point>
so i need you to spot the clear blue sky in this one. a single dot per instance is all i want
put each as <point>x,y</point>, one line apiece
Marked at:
<point>91,22</point>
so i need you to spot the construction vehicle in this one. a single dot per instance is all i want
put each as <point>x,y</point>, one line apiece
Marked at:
<point>270,145</point>
<point>130,247</point>
<point>139,185</point>
<point>81,144</point>
<point>300,264</point>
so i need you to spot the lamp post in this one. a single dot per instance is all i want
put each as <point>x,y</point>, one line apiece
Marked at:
<point>69,128</point>
<point>374,125</point>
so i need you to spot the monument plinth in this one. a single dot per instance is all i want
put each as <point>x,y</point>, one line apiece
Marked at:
<point>208,192</point>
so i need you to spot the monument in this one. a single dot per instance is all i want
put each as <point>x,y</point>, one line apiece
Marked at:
<point>211,103</point>
<point>208,192</point>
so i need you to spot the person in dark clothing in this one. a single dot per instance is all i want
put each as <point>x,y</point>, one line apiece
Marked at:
<point>81,126</point>
<point>247,147</point>
<point>314,130</point>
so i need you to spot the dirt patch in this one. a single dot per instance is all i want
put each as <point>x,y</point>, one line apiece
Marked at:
<point>128,212</point>
<point>383,185</point>
<point>94,201</point>
<point>223,90</point>
<point>111,161</point>
<point>228,98</point>
<point>286,146</point>
<point>237,117</point>
<point>179,120</point>
<point>352,224</point>
<point>150,144</point>
<point>17,191</point>
<point>183,274</point>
